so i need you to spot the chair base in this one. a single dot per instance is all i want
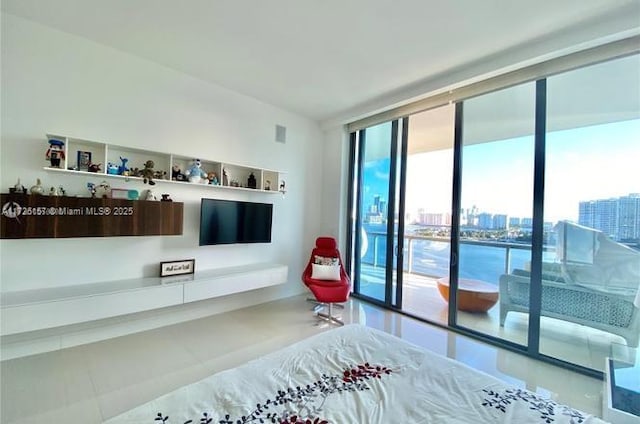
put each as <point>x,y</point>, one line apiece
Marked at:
<point>328,317</point>
<point>318,305</point>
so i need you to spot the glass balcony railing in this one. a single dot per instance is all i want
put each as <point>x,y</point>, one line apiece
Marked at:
<point>429,256</point>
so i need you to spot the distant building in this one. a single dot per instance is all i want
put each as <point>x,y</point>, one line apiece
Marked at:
<point>617,217</point>
<point>526,222</point>
<point>514,221</point>
<point>499,222</point>
<point>485,221</point>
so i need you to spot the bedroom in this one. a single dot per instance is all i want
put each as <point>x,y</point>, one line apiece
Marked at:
<point>66,69</point>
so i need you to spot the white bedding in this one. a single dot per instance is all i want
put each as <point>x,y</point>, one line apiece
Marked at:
<point>306,383</point>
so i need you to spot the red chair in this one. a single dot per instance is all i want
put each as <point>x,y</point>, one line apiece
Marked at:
<point>329,284</point>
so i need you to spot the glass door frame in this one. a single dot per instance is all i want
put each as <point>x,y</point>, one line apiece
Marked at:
<point>394,256</point>
<point>532,348</point>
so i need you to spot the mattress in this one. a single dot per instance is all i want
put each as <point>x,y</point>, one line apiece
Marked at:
<point>353,374</point>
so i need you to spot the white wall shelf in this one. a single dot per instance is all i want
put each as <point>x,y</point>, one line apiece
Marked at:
<point>267,180</point>
<point>39,309</point>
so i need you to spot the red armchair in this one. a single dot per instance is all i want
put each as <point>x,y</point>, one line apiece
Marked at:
<point>329,283</point>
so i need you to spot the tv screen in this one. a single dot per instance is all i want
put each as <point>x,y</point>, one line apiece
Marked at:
<point>230,221</point>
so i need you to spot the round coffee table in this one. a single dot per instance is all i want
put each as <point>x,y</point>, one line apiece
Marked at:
<point>473,295</point>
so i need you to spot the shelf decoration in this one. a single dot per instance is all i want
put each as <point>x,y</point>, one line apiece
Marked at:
<point>85,157</point>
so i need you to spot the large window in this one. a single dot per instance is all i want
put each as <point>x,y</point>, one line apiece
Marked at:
<point>541,238</point>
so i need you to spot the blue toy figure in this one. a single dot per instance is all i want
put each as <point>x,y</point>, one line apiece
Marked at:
<point>122,169</point>
<point>112,169</point>
<point>194,173</point>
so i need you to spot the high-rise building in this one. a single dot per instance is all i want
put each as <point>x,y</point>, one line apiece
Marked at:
<point>514,221</point>
<point>485,221</point>
<point>499,222</point>
<point>617,217</point>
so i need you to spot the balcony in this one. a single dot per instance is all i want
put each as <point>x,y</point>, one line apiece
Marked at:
<point>561,339</point>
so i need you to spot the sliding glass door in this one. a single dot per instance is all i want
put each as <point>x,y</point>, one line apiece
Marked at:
<point>377,218</point>
<point>495,217</point>
<point>542,232</point>
<point>592,211</point>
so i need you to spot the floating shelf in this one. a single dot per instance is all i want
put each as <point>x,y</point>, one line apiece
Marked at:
<point>79,153</point>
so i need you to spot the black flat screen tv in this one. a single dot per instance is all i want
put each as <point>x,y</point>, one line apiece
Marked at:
<point>230,221</point>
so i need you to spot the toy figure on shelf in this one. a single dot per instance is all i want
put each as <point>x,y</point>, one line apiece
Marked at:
<point>147,172</point>
<point>251,181</point>
<point>194,173</point>
<point>95,167</point>
<point>92,189</point>
<point>267,185</point>
<point>159,175</point>
<point>213,178</point>
<point>103,190</point>
<point>283,188</point>
<point>176,173</point>
<point>149,195</point>
<point>166,198</point>
<point>122,169</point>
<point>112,169</point>
<point>55,152</point>
<point>225,177</point>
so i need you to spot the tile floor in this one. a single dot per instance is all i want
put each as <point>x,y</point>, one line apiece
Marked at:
<point>89,383</point>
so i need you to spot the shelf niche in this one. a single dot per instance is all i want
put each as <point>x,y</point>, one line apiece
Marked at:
<point>104,154</point>
<point>64,217</point>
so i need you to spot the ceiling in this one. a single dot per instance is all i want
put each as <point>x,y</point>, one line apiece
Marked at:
<point>331,59</point>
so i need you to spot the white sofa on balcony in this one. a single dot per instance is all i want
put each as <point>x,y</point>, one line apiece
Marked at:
<point>595,283</point>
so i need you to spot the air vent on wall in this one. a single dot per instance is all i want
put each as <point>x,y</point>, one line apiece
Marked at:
<point>281,134</point>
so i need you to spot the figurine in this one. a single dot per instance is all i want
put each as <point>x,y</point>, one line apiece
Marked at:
<point>267,185</point>
<point>92,189</point>
<point>213,178</point>
<point>159,175</point>
<point>225,177</point>
<point>283,188</point>
<point>53,192</point>
<point>55,152</point>
<point>37,189</point>
<point>62,191</point>
<point>122,169</point>
<point>195,174</point>
<point>94,167</point>
<point>103,190</point>
<point>112,169</point>
<point>251,181</point>
<point>166,198</point>
<point>147,172</point>
<point>176,173</point>
<point>149,195</point>
<point>18,188</point>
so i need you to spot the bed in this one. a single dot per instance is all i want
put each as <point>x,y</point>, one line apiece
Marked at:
<point>352,374</point>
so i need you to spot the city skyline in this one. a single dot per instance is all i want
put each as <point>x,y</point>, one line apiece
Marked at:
<point>586,163</point>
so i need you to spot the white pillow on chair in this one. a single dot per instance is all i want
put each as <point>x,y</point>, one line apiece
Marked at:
<point>325,272</point>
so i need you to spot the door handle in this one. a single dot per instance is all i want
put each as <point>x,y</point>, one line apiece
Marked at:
<point>454,260</point>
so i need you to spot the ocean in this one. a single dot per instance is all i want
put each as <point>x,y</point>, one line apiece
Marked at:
<point>431,258</point>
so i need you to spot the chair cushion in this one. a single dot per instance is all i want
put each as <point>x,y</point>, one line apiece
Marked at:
<point>325,260</point>
<point>325,272</point>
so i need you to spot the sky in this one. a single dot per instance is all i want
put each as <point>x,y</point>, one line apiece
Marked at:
<point>586,163</point>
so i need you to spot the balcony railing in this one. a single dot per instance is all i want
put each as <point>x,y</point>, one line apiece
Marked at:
<point>409,243</point>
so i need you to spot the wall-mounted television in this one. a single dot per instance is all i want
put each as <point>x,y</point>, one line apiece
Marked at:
<point>231,221</point>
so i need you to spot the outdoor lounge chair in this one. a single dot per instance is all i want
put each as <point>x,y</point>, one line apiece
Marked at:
<point>595,283</point>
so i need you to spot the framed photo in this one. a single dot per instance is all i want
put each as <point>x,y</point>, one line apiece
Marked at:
<point>84,160</point>
<point>187,266</point>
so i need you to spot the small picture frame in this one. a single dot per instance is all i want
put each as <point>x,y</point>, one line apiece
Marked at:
<point>186,266</point>
<point>84,160</point>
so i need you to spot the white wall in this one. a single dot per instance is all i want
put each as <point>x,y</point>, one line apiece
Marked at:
<point>54,82</point>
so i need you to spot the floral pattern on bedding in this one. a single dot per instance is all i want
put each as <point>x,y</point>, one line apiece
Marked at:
<point>302,404</point>
<point>548,409</point>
